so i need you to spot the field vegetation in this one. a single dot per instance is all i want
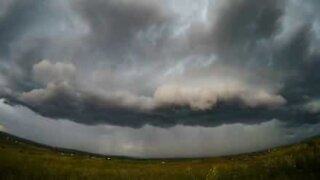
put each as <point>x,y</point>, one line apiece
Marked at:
<point>20,159</point>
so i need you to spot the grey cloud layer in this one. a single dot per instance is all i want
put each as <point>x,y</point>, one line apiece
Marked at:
<point>132,63</point>
<point>150,141</point>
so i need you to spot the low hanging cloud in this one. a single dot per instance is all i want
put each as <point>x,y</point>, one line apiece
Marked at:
<point>150,141</point>
<point>145,78</point>
<point>62,76</point>
<point>203,97</point>
<point>136,63</point>
<point>61,85</point>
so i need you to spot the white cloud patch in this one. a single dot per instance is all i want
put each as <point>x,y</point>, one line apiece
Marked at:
<point>2,128</point>
<point>47,72</point>
<point>39,96</point>
<point>205,96</point>
<point>313,106</point>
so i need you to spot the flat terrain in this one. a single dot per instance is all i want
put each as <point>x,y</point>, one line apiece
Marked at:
<point>20,159</point>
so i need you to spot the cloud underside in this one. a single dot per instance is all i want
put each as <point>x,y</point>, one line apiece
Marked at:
<point>150,141</point>
<point>137,63</point>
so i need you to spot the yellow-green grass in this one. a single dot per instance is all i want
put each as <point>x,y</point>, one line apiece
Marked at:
<point>24,160</point>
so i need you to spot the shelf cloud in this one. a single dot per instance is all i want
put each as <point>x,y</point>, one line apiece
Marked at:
<point>139,63</point>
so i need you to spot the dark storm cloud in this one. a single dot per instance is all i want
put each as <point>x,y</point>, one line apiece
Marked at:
<point>14,18</point>
<point>113,24</point>
<point>17,56</point>
<point>129,63</point>
<point>91,109</point>
<point>243,23</point>
<point>294,54</point>
<point>150,141</point>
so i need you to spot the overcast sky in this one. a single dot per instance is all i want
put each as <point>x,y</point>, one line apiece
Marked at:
<point>170,78</point>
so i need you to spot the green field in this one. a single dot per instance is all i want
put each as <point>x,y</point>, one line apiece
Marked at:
<point>21,159</point>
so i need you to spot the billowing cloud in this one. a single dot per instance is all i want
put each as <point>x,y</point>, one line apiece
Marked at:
<point>175,63</point>
<point>202,97</point>
<point>46,72</point>
<point>64,95</point>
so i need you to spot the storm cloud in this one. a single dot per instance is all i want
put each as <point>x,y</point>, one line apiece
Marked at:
<point>150,141</point>
<point>139,63</point>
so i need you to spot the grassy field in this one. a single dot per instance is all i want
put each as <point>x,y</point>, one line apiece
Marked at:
<point>21,159</point>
